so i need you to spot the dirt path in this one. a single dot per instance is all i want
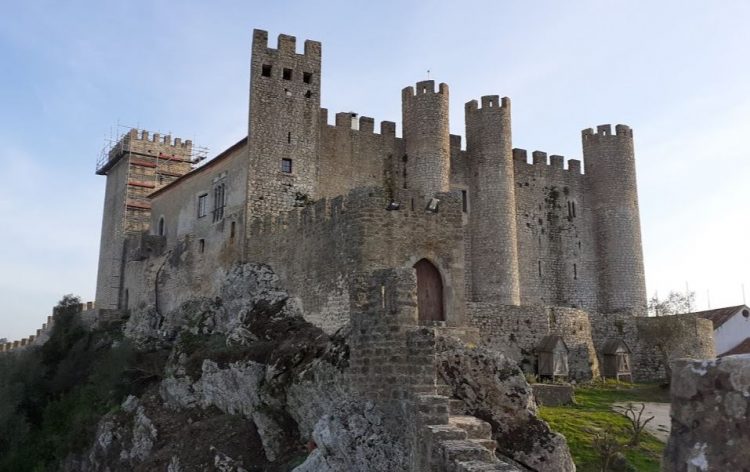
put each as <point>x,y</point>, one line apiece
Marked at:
<point>659,427</point>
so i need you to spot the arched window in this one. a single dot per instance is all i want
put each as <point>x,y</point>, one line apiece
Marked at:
<point>161,229</point>
<point>429,292</point>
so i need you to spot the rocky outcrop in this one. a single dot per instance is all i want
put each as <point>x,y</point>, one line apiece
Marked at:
<point>710,412</point>
<point>493,388</point>
<point>248,384</point>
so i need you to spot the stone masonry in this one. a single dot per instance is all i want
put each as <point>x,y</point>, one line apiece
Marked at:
<point>516,249</point>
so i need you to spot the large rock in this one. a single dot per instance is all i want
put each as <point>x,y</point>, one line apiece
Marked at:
<point>710,415</point>
<point>493,388</point>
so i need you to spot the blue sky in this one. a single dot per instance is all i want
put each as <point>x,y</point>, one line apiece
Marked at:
<point>676,71</point>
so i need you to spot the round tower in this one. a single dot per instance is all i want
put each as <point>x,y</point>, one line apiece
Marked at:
<point>492,202</point>
<point>427,138</point>
<point>609,163</point>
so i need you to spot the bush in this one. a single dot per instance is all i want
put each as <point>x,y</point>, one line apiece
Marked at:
<point>51,397</point>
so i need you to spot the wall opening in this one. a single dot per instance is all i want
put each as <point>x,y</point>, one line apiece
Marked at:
<point>232,230</point>
<point>287,74</point>
<point>266,70</point>
<point>202,245</point>
<point>575,272</point>
<point>202,205</point>
<point>161,227</point>
<point>289,137</point>
<point>286,166</point>
<point>429,292</point>
<point>307,77</point>
<point>464,201</point>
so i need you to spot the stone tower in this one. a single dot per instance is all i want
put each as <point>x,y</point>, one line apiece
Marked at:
<point>135,167</point>
<point>284,129</point>
<point>609,163</point>
<point>492,219</point>
<point>427,137</point>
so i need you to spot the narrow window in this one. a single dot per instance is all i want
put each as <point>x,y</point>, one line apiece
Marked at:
<point>307,77</point>
<point>289,137</point>
<point>412,204</point>
<point>287,75</point>
<point>575,272</point>
<point>161,226</point>
<point>286,166</point>
<point>266,70</point>
<point>202,245</point>
<point>219,202</point>
<point>464,201</point>
<point>539,267</point>
<point>404,159</point>
<point>232,230</point>
<point>573,206</point>
<point>202,205</point>
<point>570,210</point>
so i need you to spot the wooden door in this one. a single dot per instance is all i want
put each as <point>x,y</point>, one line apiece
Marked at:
<point>429,292</point>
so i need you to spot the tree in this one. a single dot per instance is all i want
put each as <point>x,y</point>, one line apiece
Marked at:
<point>676,302</point>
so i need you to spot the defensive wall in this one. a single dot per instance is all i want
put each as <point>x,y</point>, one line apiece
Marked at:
<point>317,249</point>
<point>655,342</point>
<point>42,334</point>
<point>517,330</point>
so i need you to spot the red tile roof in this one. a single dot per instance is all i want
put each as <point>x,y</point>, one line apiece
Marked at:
<point>741,348</point>
<point>719,316</point>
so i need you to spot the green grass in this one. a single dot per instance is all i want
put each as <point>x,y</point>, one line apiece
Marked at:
<point>593,413</point>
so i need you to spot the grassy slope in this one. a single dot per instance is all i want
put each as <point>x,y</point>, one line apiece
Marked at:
<point>593,413</point>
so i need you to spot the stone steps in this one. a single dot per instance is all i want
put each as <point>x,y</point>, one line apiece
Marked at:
<point>480,466</point>
<point>463,450</point>
<point>474,427</point>
<point>456,406</point>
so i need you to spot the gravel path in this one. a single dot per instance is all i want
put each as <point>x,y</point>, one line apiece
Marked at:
<point>660,425</point>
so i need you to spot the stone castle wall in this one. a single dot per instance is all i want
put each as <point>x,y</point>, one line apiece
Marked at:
<point>329,241</point>
<point>517,330</point>
<point>655,341</point>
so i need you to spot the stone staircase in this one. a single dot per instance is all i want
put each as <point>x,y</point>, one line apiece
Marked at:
<point>452,441</point>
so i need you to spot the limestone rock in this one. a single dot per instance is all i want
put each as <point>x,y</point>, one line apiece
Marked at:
<point>494,389</point>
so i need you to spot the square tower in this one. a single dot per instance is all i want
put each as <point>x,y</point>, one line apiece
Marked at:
<point>135,167</point>
<point>284,128</point>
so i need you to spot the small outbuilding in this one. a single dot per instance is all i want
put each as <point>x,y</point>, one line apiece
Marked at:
<point>553,357</point>
<point>616,360</point>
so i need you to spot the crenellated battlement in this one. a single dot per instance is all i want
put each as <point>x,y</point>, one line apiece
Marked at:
<point>323,211</point>
<point>425,87</point>
<point>605,131</point>
<point>44,330</point>
<point>285,44</point>
<point>349,121</point>
<point>488,102</point>
<point>539,159</point>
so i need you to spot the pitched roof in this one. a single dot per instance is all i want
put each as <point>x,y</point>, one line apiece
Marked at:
<point>549,343</point>
<point>226,153</point>
<point>741,348</point>
<point>612,346</point>
<point>719,316</point>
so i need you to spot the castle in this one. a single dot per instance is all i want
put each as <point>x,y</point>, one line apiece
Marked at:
<point>504,251</point>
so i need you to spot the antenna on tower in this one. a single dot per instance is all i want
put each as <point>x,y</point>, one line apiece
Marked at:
<point>428,74</point>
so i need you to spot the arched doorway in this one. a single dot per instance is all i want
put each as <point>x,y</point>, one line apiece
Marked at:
<point>429,292</point>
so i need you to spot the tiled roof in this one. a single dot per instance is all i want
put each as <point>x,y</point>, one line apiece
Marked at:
<point>719,316</point>
<point>741,348</point>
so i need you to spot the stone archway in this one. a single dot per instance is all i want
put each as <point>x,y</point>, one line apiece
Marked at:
<point>429,292</point>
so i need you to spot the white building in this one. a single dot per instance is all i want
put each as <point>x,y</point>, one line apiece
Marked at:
<point>731,329</point>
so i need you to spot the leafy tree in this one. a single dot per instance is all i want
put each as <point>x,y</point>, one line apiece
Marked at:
<point>675,303</point>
